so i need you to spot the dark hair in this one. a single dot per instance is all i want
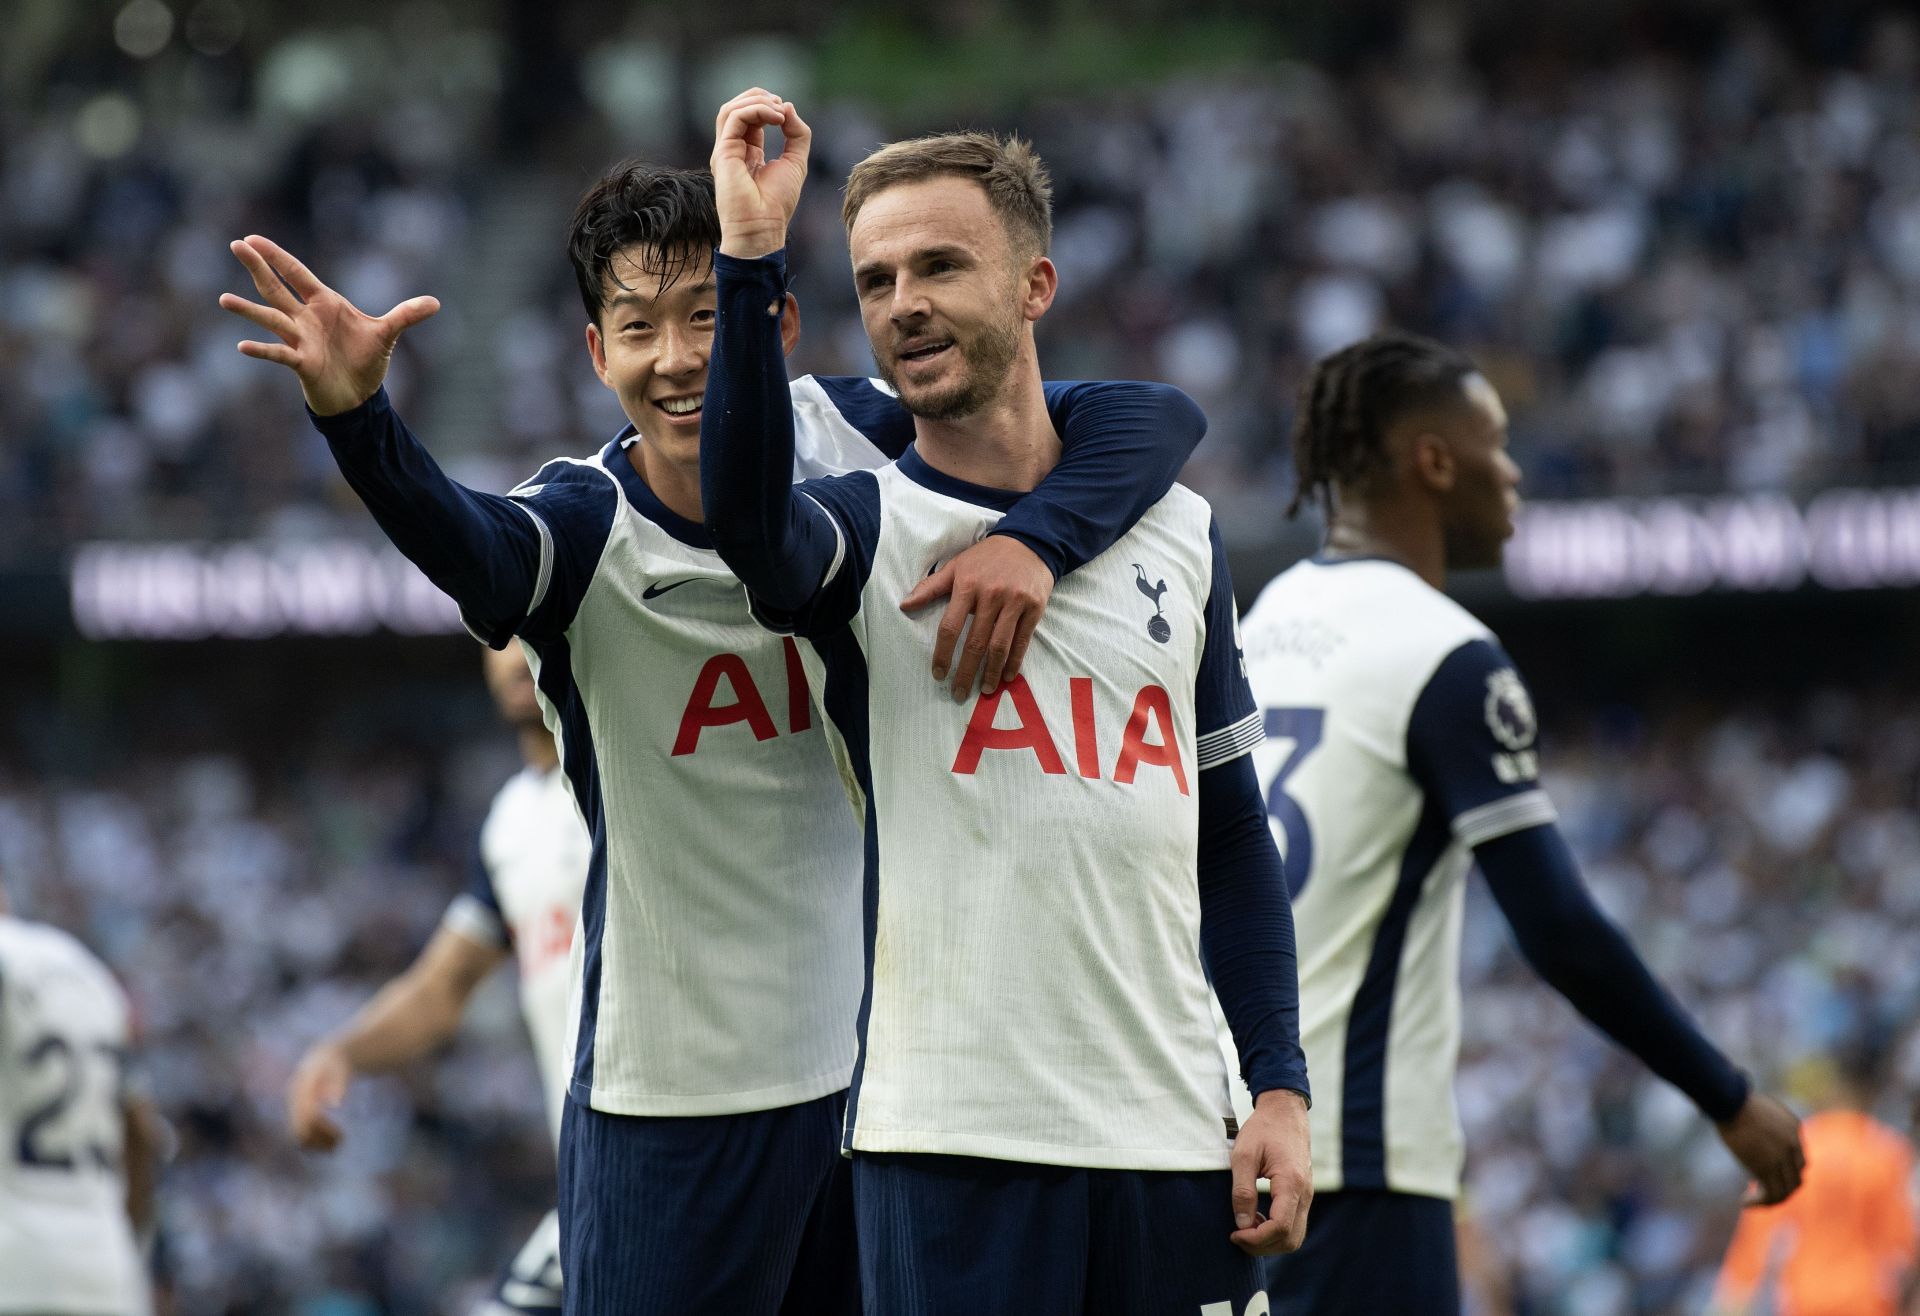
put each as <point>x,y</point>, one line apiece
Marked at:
<point>635,203</point>
<point>1016,181</point>
<point>1354,396</point>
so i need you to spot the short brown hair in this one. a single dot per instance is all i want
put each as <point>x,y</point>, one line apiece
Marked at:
<point>1015,180</point>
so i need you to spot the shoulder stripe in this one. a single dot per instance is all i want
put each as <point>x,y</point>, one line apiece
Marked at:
<point>839,538</point>
<point>1503,817</point>
<point>1229,742</point>
<point>545,575</point>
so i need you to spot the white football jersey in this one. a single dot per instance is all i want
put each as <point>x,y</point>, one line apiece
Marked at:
<point>1034,983</point>
<point>1398,736</point>
<point>524,896</point>
<point>66,1245</point>
<point>717,968</point>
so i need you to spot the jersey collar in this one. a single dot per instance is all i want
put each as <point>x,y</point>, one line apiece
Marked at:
<point>915,468</point>
<point>643,499</point>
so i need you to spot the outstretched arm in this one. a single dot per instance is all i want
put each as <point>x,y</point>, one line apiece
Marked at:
<point>491,554</point>
<point>411,1016</point>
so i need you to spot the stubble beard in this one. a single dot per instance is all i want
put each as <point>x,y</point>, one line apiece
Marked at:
<point>986,358</point>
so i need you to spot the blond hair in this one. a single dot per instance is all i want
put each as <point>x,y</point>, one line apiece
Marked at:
<point>1010,171</point>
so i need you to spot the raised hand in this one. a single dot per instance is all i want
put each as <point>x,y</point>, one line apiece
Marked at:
<point>339,351</point>
<point>757,196</point>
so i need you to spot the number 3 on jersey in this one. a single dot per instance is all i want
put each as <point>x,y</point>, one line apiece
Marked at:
<point>1303,726</point>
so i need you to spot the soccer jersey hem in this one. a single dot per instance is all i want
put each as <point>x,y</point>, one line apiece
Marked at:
<point>673,1104</point>
<point>1444,1187</point>
<point>993,1148</point>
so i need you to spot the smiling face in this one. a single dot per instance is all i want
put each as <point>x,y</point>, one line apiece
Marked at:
<point>947,301</point>
<point>650,346</point>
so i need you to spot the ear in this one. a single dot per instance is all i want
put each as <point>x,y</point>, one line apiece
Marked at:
<point>597,349</point>
<point>790,325</point>
<point>1042,280</point>
<point>1433,464</point>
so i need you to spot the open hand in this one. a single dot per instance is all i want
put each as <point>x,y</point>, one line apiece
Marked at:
<point>1765,1138</point>
<point>319,1086</point>
<point>1274,1144</point>
<point>756,196</point>
<point>1004,587</point>
<point>339,351</point>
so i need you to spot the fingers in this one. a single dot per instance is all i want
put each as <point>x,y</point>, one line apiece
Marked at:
<point>298,276</point>
<point>1246,1195</point>
<point>959,607</point>
<point>1022,635</point>
<point>278,353</point>
<point>930,590</point>
<point>999,648</point>
<point>751,96</point>
<point>265,281</point>
<point>273,321</point>
<point>409,313</point>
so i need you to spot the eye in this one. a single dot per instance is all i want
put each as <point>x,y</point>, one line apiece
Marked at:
<point>875,283</point>
<point>635,326</point>
<point>942,267</point>
<point>704,315</point>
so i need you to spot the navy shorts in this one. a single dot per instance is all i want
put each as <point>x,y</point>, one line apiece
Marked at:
<point>960,1236</point>
<point>1369,1252</point>
<point>746,1215</point>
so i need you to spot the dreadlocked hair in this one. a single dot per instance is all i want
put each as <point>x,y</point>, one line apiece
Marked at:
<point>1352,399</point>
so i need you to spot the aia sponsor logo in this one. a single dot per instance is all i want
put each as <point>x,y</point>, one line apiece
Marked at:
<point>1148,740</point>
<point>725,694</point>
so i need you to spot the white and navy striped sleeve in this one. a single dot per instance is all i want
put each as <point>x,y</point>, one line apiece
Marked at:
<point>475,912</point>
<point>1227,721</point>
<point>1471,744</point>
<point>510,562</point>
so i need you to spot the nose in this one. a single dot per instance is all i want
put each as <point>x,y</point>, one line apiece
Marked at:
<point>1512,471</point>
<point>909,301</point>
<point>682,352</point>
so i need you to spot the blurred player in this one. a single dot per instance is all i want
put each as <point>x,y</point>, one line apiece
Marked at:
<point>718,971</point>
<point>77,1147</point>
<point>524,901</point>
<point>1399,750</point>
<point>1844,1245</point>
<point>1039,1116</point>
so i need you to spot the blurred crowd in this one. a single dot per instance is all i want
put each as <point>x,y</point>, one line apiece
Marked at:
<point>248,913</point>
<point>1690,263</point>
<point>1763,861</point>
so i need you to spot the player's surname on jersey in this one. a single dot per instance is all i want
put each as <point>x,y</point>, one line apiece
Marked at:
<point>1088,699</point>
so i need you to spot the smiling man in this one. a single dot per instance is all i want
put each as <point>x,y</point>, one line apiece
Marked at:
<point>717,969</point>
<point>1039,1121</point>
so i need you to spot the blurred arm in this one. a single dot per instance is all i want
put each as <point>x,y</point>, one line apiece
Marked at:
<point>1583,956</point>
<point>420,1009</point>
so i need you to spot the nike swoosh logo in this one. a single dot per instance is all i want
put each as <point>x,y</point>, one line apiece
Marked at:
<point>655,591</point>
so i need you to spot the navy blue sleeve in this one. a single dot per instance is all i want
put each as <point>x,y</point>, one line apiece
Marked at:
<point>1227,722</point>
<point>1121,448</point>
<point>1246,929</point>
<point>514,564</point>
<point>1581,954</point>
<point>1471,745</point>
<point>782,543</point>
